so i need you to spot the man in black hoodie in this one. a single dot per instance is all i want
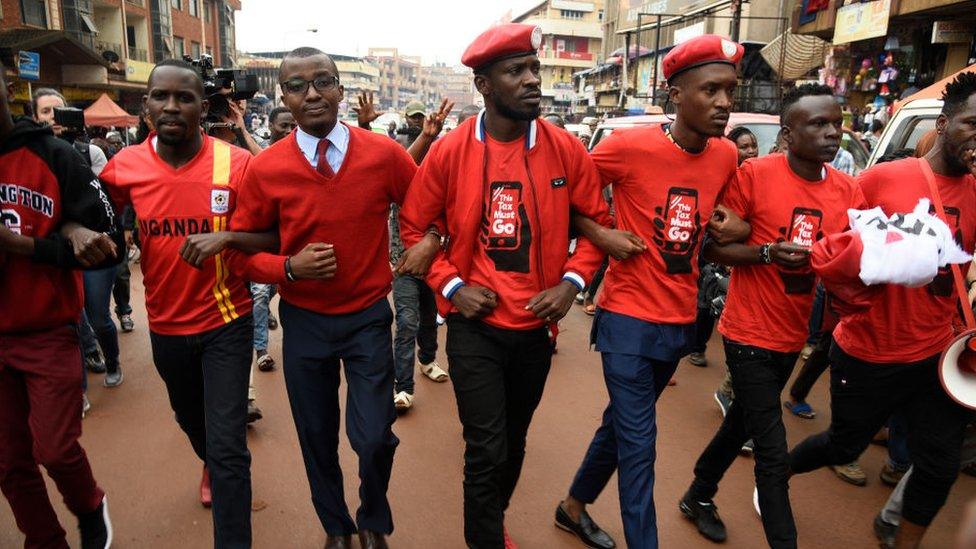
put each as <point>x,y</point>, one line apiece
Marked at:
<point>54,216</point>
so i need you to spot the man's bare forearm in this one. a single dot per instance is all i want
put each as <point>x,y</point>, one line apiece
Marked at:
<point>731,254</point>
<point>252,243</point>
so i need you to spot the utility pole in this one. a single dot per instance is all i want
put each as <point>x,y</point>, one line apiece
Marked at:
<point>736,7</point>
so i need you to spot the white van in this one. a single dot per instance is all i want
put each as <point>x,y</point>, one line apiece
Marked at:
<point>907,126</point>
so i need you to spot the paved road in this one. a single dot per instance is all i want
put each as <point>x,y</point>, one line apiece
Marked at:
<point>144,463</point>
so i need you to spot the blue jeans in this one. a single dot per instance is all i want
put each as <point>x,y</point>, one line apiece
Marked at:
<point>898,455</point>
<point>816,316</point>
<point>261,295</point>
<point>98,300</point>
<point>416,327</point>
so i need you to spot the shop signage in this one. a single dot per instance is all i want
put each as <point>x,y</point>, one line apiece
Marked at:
<point>951,32</point>
<point>861,21</point>
<point>137,71</point>
<point>29,65</point>
<point>685,34</point>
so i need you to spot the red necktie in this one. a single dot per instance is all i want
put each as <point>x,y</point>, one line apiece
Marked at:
<point>322,166</point>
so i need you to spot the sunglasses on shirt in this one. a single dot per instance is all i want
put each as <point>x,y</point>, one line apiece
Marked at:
<point>300,86</point>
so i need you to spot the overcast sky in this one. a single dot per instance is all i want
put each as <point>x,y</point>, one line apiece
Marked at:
<point>436,30</point>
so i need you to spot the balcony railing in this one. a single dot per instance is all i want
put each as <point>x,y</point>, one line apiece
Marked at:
<point>139,3</point>
<point>101,46</point>
<point>138,54</point>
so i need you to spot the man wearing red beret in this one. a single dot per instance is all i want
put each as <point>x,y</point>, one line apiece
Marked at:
<point>503,184</point>
<point>666,180</point>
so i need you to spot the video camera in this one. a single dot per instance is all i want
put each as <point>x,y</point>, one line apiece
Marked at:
<point>72,121</point>
<point>216,82</point>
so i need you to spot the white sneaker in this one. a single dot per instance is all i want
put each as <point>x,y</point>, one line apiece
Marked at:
<point>434,372</point>
<point>85,405</point>
<point>755,501</point>
<point>403,401</point>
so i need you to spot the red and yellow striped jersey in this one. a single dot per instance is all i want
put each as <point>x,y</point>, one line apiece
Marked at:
<point>170,205</point>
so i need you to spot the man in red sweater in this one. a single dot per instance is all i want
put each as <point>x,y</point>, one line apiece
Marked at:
<point>327,190</point>
<point>54,216</point>
<point>503,184</point>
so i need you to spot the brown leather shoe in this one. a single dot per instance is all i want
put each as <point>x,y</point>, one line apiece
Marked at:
<point>338,542</point>
<point>372,540</point>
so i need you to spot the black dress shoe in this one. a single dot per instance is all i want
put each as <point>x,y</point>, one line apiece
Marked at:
<point>586,530</point>
<point>372,540</point>
<point>705,516</point>
<point>338,542</point>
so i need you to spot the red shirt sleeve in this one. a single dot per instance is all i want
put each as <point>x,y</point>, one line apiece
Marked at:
<point>402,171</point>
<point>253,213</point>
<point>425,205</point>
<point>586,199</point>
<point>612,159</point>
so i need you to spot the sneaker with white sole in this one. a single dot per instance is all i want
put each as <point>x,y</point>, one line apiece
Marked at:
<point>434,372</point>
<point>755,501</point>
<point>403,401</point>
<point>96,527</point>
<point>113,379</point>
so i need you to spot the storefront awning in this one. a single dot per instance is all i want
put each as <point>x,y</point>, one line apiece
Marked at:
<point>105,113</point>
<point>803,53</point>
<point>53,45</point>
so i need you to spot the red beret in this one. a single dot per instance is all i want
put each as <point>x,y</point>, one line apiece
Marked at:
<point>502,42</point>
<point>701,50</point>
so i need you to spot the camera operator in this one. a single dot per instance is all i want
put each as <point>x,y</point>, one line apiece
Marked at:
<point>230,127</point>
<point>43,103</point>
<point>98,282</point>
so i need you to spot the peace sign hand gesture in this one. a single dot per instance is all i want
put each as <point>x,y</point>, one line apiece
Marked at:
<point>434,122</point>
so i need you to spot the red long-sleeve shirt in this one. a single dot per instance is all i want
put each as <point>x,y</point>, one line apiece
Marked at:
<point>350,211</point>
<point>506,207</point>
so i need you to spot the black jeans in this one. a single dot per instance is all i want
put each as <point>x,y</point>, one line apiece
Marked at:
<point>121,290</point>
<point>758,378</point>
<point>704,324</point>
<point>863,396</point>
<point>206,377</point>
<point>597,280</point>
<point>498,377</point>
<point>812,369</point>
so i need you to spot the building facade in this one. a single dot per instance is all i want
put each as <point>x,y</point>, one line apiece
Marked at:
<point>90,47</point>
<point>572,39</point>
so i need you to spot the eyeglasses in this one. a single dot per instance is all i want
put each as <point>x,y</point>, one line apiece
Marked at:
<point>300,86</point>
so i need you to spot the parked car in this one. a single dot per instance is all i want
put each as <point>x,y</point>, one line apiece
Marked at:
<point>765,126</point>
<point>907,126</point>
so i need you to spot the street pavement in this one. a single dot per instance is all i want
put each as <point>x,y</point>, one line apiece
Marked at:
<point>145,464</point>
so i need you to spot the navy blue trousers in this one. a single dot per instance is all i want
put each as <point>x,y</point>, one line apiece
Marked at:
<point>638,360</point>
<point>314,345</point>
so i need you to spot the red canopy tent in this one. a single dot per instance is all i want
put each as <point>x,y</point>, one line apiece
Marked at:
<point>104,112</point>
<point>934,91</point>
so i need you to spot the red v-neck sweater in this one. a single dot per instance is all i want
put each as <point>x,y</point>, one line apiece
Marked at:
<point>281,189</point>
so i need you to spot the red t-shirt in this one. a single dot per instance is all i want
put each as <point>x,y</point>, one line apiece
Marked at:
<point>910,324</point>
<point>170,205</point>
<point>506,260</point>
<point>768,306</point>
<point>665,196</point>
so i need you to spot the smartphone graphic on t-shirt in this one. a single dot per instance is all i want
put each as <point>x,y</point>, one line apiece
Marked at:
<point>804,230</point>
<point>804,226</point>
<point>504,227</point>
<point>680,223</point>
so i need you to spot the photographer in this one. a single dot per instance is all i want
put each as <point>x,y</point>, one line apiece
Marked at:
<point>55,217</point>
<point>43,105</point>
<point>46,104</point>
<point>229,126</point>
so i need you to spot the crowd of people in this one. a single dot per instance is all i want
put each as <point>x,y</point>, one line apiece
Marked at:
<point>493,229</point>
